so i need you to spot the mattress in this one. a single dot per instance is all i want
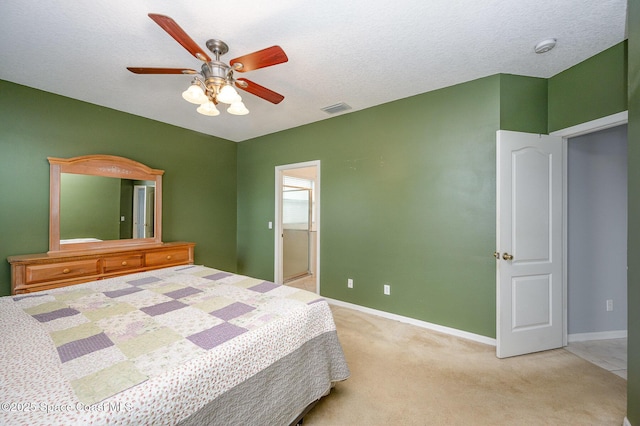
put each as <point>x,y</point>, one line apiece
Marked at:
<point>182,345</point>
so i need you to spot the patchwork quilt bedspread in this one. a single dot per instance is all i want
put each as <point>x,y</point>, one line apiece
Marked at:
<point>161,346</point>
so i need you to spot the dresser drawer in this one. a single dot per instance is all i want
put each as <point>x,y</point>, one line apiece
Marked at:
<point>61,271</point>
<point>122,263</point>
<point>167,257</point>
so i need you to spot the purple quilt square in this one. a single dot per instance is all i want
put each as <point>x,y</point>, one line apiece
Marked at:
<point>78,348</point>
<point>216,335</point>
<point>122,292</point>
<point>18,298</point>
<point>163,308</point>
<point>232,311</point>
<point>183,292</point>
<point>58,313</point>
<point>185,268</point>
<point>141,281</point>
<point>218,276</point>
<point>264,287</point>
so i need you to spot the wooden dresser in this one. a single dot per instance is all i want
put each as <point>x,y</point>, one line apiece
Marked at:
<point>35,272</point>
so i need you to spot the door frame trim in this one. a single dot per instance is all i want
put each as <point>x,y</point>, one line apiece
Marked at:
<point>277,250</point>
<point>592,126</point>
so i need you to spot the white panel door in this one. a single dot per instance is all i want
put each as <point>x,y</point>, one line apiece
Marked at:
<point>529,243</point>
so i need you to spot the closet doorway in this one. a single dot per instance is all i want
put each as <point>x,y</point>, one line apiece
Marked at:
<point>597,247</point>
<point>595,240</point>
<point>297,225</point>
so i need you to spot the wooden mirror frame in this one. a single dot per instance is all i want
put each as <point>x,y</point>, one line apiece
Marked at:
<point>108,166</point>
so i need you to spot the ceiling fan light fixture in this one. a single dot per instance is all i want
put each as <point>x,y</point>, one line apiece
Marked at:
<point>208,108</point>
<point>215,83</point>
<point>238,108</point>
<point>195,94</point>
<point>228,95</point>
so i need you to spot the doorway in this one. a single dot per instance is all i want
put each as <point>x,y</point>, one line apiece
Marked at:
<point>137,209</point>
<point>597,247</point>
<point>143,199</point>
<point>297,225</point>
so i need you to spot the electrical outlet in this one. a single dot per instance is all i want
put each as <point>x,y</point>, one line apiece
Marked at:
<point>387,289</point>
<point>349,283</point>
<point>609,305</point>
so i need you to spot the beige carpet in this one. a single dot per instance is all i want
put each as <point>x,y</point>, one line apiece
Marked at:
<point>406,375</point>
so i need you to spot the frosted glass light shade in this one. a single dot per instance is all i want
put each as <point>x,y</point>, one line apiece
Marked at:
<point>195,95</point>
<point>208,108</point>
<point>228,95</point>
<point>238,108</point>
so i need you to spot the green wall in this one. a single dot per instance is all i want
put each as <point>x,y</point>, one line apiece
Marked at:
<point>89,207</point>
<point>592,89</point>
<point>523,103</point>
<point>199,185</point>
<point>408,199</point>
<point>633,255</point>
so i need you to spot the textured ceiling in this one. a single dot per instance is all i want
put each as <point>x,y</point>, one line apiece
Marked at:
<point>361,52</point>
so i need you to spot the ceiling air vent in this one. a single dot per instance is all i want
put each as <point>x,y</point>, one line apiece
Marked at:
<point>334,109</point>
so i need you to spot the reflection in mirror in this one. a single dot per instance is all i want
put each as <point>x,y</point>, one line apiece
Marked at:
<point>103,201</point>
<point>98,208</point>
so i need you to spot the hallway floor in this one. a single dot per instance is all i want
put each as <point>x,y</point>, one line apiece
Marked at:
<point>610,354</point>
<point>305,283</point>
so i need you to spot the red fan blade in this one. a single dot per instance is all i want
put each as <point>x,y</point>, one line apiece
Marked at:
<point>260,91</point>
<point>174,30</point>
<point>273,55</point>
<point>139,70</point>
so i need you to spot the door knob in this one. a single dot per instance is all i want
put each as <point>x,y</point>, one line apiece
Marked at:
<point>507,256</point>
<point>496,255</point>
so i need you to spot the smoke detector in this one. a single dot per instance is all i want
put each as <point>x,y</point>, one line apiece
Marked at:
<point>545,45</point>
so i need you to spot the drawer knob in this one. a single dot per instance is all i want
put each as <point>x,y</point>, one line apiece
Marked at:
<point>124,263</point>
<point>66,270</point>
<point>168,257</point>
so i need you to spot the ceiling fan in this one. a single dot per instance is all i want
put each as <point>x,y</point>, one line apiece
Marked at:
<point>214,83</point>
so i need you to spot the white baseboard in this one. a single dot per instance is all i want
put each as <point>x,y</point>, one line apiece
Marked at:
<point>626,422</point>
<point>601,335</point>
<point>424,324</point>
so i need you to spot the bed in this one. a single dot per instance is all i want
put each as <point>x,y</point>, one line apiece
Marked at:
<point>187,345</point>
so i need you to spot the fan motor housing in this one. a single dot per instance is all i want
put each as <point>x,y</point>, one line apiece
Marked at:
<point>215,73</point>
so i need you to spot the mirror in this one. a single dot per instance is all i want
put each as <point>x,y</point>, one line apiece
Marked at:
<point>99,201</point>
<point>99,208</point>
